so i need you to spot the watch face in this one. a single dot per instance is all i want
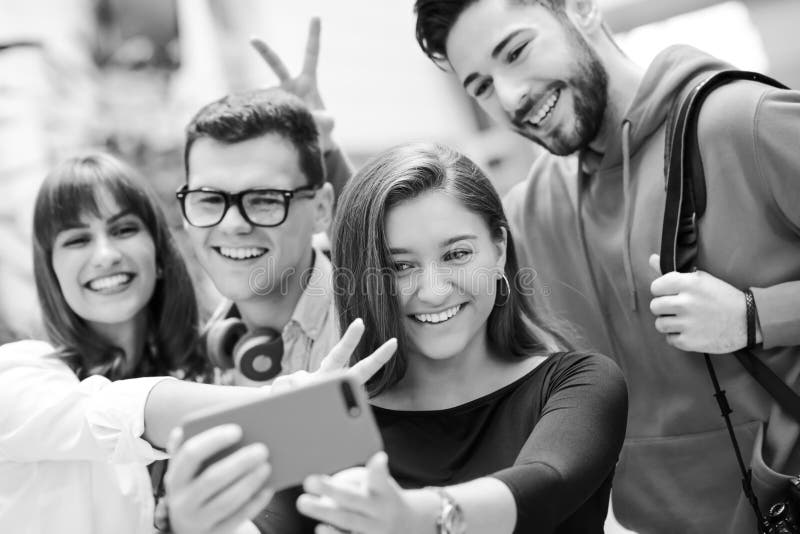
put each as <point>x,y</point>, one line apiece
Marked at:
<point>452,519</point>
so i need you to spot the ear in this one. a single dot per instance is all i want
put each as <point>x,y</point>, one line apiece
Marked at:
<point>585,15</point>
<point>323,208</point>
<point>501,245</point>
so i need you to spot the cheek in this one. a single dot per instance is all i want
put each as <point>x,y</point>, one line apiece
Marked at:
<point>197,236</point>
<point>67,276</point>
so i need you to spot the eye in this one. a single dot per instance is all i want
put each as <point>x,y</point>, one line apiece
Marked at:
<point>127,229</point>
<point>482,88</point>
<point>515,53</point>
<point>75,241</point>
<point>206,197</point>
<point>402,266</point>
<point>458,255</point>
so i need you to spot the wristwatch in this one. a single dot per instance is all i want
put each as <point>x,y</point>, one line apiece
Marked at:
<point>451,518</point>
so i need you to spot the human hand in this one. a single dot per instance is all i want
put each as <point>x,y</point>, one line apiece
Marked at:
<point>304,85</point>
<point>362,499</point>
<point>224,495</point>
<point>338,358</point>
<point>698,312</point>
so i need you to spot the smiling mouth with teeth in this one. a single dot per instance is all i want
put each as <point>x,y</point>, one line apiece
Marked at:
<point>543,112</point>
<point>105,283</point>
<point>436,318</point>
<point>240,253</point>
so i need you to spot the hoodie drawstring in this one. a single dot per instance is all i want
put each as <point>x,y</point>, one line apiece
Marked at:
<point>628,213</point>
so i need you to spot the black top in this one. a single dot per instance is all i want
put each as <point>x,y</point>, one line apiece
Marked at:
<point>552,436</point>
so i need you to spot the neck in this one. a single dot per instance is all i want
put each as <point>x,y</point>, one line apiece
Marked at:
<point>275,309</point>
<point>624,77</point>
<point>434,384</point>
<point>129,336</point>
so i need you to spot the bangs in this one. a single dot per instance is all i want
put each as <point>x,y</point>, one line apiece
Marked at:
<point>80,189</point>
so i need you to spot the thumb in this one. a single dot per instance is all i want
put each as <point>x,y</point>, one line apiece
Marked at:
<point>174,440</point>
<point>378,477</point>
<point>655,263</point>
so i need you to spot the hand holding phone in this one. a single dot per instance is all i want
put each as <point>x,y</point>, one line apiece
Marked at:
<point>322,427</point>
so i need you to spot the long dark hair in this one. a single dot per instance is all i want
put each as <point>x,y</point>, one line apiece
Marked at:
<point>363,285</point>
<point>71,191</point>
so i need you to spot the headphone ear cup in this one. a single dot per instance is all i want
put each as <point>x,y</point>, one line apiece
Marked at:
<point>221,339</point>
<point>258,354</point>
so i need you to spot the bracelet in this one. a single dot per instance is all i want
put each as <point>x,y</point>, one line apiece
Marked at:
<point>750,317</point>
<point>451,518</point>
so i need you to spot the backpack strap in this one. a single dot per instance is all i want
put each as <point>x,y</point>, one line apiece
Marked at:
<point>685,179</point>
<point>686,203</point>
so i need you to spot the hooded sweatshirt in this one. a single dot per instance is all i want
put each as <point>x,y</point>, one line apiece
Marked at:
<point>587,233</point>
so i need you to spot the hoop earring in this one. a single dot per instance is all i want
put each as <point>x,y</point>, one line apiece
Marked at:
<point>504,278</point>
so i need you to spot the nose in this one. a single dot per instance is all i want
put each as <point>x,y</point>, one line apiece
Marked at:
<point>106,253</point>
<point>434,285</point>
<point>234,221</point>
<point>510,94</point>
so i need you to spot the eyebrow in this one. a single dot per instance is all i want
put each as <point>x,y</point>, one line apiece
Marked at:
<point>110,220</point>
<point>495,52</point>
<point>502,44</point>
<point>443,244</point>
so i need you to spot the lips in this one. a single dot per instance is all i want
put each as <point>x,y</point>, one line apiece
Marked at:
<point>535,112</point>
<point>240,253</point>
<point>110,283</point>
<point>542,113</point>
<point>438,317</point>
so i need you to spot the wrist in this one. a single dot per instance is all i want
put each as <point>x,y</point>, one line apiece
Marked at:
<point>425,505</point>
<point>752,327</point>
<point>450,516</point>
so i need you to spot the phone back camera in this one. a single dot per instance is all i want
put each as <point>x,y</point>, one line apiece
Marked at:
<point>353,409</point>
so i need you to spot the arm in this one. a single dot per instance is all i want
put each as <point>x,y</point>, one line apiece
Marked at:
<point>48,414</point>
<point>776,140</point>
<point>701,313</point>
<point>571,451</point>
<point>338,169</point>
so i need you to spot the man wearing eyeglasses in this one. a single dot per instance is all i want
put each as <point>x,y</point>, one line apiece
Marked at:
<point>255,194</point>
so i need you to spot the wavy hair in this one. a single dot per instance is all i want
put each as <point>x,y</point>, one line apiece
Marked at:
<point>70,192</point>
<point>515,329</point>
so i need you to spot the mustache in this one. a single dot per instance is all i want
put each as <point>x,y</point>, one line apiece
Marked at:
<point>529,101</point>
<point>522,111</point>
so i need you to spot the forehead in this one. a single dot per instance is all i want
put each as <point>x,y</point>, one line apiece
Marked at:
<point>430,219</point>
<point>485,24</point>
<point>98,205</point>
<point>269,161</point>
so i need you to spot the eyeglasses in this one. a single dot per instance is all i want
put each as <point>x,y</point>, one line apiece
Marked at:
<point>207,207</point>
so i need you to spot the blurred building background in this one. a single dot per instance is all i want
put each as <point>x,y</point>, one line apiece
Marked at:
<point>126,75</point>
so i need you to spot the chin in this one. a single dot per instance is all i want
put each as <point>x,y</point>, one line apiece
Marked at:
<point>440,351</point>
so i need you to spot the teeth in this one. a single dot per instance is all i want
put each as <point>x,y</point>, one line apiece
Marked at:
<point>242,253</point>
<point>545,109</point>
<point>438,317</point>
<point>108,282</point>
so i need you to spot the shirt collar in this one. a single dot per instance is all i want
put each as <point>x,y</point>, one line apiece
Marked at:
<point>314,305</point>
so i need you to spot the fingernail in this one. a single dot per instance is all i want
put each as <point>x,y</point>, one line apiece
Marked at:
<point>232,431</point>
<point>258,451</point>
<point>311,483</point>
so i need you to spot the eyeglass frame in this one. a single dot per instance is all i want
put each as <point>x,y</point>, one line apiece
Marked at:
<point>235,199</point>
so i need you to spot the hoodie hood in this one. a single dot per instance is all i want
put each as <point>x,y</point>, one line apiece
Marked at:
<point>671,73</point>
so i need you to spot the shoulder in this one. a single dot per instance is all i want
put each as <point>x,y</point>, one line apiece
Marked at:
<point>577,365</point>
<point>28,352</point>
<point>22,361</point>
<point>732,110</point>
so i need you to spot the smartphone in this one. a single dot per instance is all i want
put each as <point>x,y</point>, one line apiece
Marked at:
<point>320,428</point>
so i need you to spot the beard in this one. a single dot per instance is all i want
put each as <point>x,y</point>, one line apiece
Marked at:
<point>589,87</point>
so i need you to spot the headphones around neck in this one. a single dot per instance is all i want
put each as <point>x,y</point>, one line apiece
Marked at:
<point>255,353</point>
